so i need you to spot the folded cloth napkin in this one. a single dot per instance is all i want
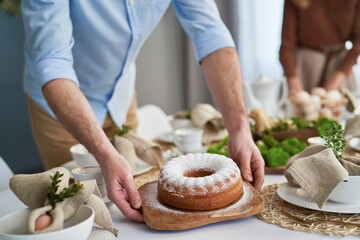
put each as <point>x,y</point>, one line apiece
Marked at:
<point>352,126</point>
<point>317,171</point>
<point>209,119</point>
<point>30,189</point>
<point>126,148</point>
<point>149,152</point>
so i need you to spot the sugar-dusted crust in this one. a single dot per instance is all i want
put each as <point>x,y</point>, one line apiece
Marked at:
<point>183,182</point>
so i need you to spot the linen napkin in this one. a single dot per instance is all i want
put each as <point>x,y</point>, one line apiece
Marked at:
<point>30,189</point>
<point>209,119</point>
<point>149,152</point>
<point>352,126</point>
<point>317,171</point>
<point>126,148</point>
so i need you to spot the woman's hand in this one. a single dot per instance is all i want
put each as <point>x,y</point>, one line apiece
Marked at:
<point>335,80</point>
<point>295,85</point>
<point>121,188</point>
<point>244,152</point>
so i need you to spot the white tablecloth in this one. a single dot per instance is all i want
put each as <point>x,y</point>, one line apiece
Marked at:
<point>246,228</point>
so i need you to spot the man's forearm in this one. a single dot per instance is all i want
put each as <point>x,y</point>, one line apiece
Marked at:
<point>74,112</point>
<point>223,76</point>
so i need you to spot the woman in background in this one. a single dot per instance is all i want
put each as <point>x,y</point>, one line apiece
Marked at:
<point>312,50</point>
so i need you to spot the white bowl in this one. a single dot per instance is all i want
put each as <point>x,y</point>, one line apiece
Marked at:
<point>347,192</point>
<point>82,156</point>
<point>316,140</point>
<point>79,226</point>
<point>177,123</point>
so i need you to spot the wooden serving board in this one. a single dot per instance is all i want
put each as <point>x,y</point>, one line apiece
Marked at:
<point>275,170</point>
<point>160,216</point>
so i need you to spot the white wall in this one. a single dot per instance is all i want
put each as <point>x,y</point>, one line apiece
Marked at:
<point>160,66</point>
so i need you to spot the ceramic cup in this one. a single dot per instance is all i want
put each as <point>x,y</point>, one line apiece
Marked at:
<point>188,140</point>
<point>90,173</point>
<point>177,123</point>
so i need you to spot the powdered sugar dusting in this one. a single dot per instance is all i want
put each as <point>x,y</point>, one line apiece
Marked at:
<point>172,176</point>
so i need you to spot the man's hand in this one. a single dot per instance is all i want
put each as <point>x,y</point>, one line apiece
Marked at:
<point>248,158</point>
<point>121,188</point>
<point>74,112</point>
<point>223,76</point>
<point>335,80</point>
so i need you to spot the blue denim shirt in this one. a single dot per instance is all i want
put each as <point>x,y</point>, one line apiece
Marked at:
<point>95,43</point>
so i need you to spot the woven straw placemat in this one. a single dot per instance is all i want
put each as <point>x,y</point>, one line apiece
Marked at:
<point>149,176</point>
<point>289,216</point>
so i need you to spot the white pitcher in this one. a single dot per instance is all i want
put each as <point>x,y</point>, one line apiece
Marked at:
<point>262,94</point>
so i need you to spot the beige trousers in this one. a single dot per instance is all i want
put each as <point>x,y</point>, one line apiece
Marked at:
<point>54,141</point>
<point>310,64</point>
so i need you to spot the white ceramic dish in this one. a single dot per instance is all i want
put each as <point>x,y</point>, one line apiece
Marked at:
<point>316,140</point>
<point>82,156</point>
<point>140,166</point>
<point>180,123</point>
<point>298,197</point>
<point>167,137</point>
<point>347,192</point>
<point>354,143</point>
<point>101,234</point>
<point>79,226</point>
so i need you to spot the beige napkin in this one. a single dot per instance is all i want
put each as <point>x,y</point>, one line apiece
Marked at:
<point>209,119</point>
<point>352,165</point>
<point>317,171</point>
<point>149,152</point>
<point>126,148</point>
<point>26,188</point>
<point>352,126</point>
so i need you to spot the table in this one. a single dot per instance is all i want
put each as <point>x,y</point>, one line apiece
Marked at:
<point>246,228</point>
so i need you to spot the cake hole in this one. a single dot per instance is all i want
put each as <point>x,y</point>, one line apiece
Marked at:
<point>195,173</point>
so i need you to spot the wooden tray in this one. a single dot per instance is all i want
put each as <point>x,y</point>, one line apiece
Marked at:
<point>275,170</point>
<point>160,216</point>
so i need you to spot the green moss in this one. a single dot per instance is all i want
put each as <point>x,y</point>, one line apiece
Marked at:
<point>276,157</point>
<point>292,146</point>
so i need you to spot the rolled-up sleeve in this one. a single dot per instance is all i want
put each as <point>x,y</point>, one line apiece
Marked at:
<point>49,39</point>
<point>202,23</point>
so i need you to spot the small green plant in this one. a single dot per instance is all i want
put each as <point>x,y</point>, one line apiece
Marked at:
<point>65,193</point>
<point>122,131</point>
<point>335,140</point>
<point>188,113</point>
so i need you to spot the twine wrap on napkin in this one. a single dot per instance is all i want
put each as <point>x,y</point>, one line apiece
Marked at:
<point>317,171</point>
<point>35,197</point>
<point>209,119</point>
<point>352,127</point>
<point>149,152</point>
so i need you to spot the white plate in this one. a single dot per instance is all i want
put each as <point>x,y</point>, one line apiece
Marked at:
<point>140,166</point>
<point>101,234</point>
<point>354,143</point>
<point>298,197</point>
<point>167,137</point>
<point>175,152</point>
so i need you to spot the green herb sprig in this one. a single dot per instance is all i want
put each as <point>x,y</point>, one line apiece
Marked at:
<point>65,193</point>
<point>188,113</point>
<point>122,131</point>
<point>335,140</point>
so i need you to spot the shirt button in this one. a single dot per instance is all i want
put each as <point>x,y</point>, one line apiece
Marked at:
<point>132,2</point>
<point>136,38</point>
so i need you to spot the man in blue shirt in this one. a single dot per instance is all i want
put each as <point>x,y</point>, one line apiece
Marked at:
<point>80,67</point>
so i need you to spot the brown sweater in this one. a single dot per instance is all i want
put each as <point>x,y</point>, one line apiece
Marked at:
<point>323,23</point>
